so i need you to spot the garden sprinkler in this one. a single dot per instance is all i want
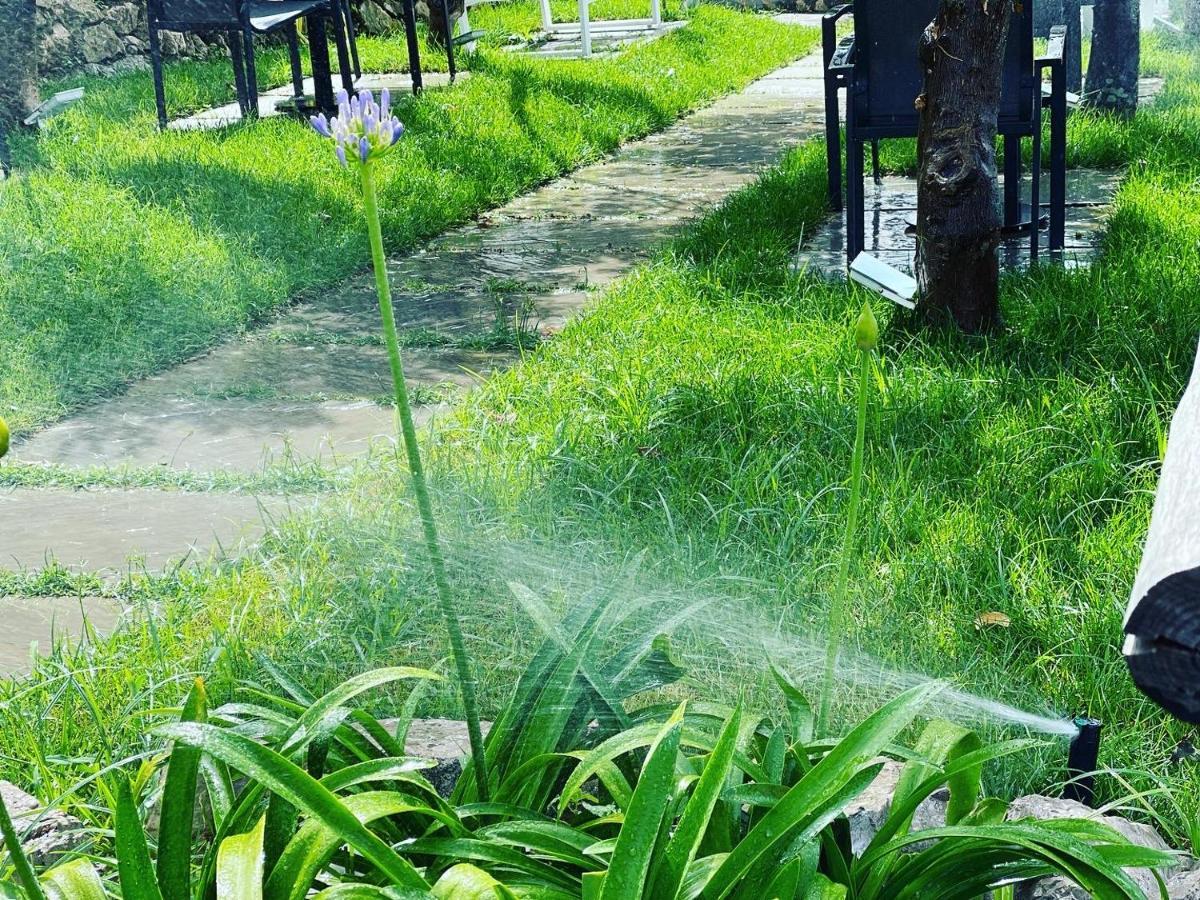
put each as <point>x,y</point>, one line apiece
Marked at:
<point>1082,761</point>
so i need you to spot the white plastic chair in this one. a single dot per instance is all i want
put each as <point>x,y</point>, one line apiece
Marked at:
<point>584,27</point>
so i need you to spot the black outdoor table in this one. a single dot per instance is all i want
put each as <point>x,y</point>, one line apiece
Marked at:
<point>318,49</point>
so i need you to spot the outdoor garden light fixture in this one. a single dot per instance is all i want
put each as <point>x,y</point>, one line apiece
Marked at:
<point>1083,760</point>
<point>872,272</point>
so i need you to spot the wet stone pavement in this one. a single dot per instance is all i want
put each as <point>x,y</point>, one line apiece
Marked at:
<point>891,226</point>
<point>310,388</point>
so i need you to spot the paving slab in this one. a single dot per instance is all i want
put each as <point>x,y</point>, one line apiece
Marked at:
<point>36,624</point>
<point>115,532</point>
<point>269,102</point>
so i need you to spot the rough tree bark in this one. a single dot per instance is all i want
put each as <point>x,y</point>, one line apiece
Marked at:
<point>958,210</point>
<point>1191,18</point>
<point>18,69</point>
<point>1112,78</point>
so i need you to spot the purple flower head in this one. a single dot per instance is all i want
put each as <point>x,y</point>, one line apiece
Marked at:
<point>362,130</point>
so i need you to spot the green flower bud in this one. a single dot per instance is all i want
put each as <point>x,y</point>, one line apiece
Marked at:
<point>3,437</point>
<point>866,329</point>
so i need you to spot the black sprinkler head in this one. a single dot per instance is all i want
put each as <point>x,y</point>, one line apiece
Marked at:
<point>1083,760</point>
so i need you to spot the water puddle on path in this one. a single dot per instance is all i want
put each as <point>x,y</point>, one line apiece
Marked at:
<point>45,621</point>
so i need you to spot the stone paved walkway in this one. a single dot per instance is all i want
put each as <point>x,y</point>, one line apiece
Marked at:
<point>310,386</point>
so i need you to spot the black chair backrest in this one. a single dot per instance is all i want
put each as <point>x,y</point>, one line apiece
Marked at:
<point>196,13</point>
<point>887,35</point>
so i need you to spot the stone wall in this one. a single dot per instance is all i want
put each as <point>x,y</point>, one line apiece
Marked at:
<point>102,37</point>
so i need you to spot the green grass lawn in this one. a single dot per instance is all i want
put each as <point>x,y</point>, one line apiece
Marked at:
<point>690,437</point>
<point>123,250</point>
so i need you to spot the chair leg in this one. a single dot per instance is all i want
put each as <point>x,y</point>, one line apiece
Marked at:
<point>238,57</point>
<point>251,72</point>
<point>343,51</point>
<point>585,28</point>
<point>156,63</point>
<point>855,200</point>
<point>547,18</point>
<point>293,42</point>
<point>1035,190</point>
<point>1058,158</point>
<point>1012,181</point>
<point>449,36</point>
<point>414,47</point>
<point>352,36</point>
<point>833,143</point>
<point>875,173</point>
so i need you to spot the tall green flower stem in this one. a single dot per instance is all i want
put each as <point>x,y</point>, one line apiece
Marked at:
<point>866,336</point>
<point>466,679</point>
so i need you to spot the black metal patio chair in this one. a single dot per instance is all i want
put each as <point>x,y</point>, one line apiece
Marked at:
<point>879,69</point>
<point>242,20</point>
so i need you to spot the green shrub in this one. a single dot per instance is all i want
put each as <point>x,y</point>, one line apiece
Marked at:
<point>298,796</point>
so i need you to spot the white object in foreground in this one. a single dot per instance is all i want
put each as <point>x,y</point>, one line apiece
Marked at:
<point>885,280</point>
<point>1162,624</point>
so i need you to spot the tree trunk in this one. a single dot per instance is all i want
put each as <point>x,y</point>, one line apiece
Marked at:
<point>18,69</point>
<point>1191,18</point>
<point>1112,79</point>
<point>958,210</point>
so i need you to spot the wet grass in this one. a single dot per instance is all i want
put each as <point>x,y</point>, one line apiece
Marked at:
<point>124,250</point>
<point>294,476</point>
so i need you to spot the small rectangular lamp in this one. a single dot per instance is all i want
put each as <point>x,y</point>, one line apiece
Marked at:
<point>54,106</point>
<point>890,282</point>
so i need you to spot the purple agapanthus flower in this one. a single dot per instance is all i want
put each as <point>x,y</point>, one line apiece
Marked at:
<point>362,129</point>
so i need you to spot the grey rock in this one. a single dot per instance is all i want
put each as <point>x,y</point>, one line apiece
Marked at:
<point>126,18</point>
<point>1184,885</point>
<point>46,836</point>
<point>869,811</point>
<point>376,19</point>
<point>445,742</point>
<point>75,13</point>
<point>100,43</point>
<point>56,45</point>
<point>1036,806</point>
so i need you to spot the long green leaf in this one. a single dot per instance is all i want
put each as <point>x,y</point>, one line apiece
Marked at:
<point>134,867</point>
<point>685,842</point>
<point>942,742</point>
<point>17,853</point>
<point>838,768</point>
<point>240,865</point>
<point>74,880</point>
<point>309,852</point>
<point>467,882</point>
<point>289,781</point>
<point>615,747</point>
<point>626,878</point>
<point>609,704</point>
<point>1072,857</point>
<point>179,804</point>
<point>342,694</point>
<point>454,850</point>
